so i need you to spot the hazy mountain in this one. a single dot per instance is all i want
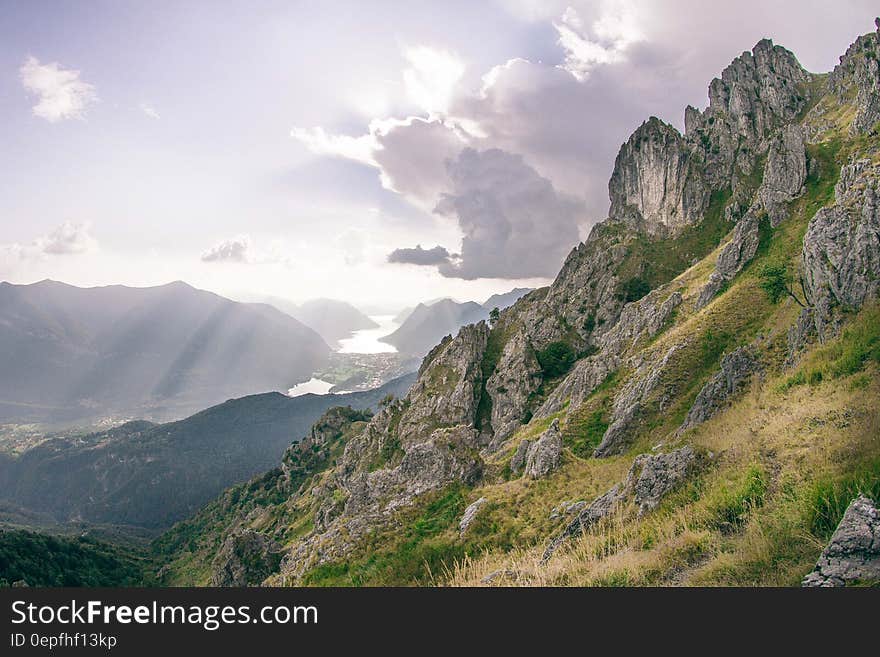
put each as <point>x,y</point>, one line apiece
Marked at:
<point>502,301</point>
<point>70,353</point>
<point>425,325</point>
<point>151,475</point>
<point>332,320</point>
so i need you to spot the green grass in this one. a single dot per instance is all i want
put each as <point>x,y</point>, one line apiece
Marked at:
<point>424,545</point>
<point>848,354</point>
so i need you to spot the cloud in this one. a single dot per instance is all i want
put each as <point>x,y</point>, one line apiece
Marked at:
<point>431,77</point>
<point>60,92</point>
<point>150,111</point>
<point>236,249</point>
<point>67,239</point>
<point>605,41</point>
<point>515,224</point>
<point>435,256</point>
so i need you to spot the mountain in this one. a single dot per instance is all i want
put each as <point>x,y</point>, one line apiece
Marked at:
<point>692,401</point>
<point>332,320</point>
<point>426,324</point>
<point>151,475</point>
<point>507,299</point>
<point>69,354</point>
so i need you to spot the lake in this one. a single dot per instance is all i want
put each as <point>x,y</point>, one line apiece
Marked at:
<point>367,341</point>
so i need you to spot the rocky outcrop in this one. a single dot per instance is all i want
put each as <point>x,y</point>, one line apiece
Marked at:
<point>657,187</point>
<point>545,454</point>
<point>447,390</point>
<point>841,253</point>
<point>246,558</point>
<point>518,461</point>
<point>733,257</point>
<point>784,173</point>
<point>737,368</point>
<point>469,515</point>
<point>649,479</point>
<point>639,320</point>
<point>858,75</point>
<point>759,91</point>
<point>853,554</point>
<point>628,404</point>
<point>517,375</point>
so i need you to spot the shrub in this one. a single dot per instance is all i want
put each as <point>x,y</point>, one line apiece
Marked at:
<point>634,288</point>
<point>556,359</point>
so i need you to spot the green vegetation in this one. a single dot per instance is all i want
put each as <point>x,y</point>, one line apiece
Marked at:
<point>42,560</point>
<point>650,263</point>
<point>776,281</point>
<point>556,359</point>
<point>849,353</point>
<point>424,546</point>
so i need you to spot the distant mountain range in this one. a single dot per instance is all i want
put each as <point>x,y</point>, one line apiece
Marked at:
<point>68,354</point>
<point>151,475</point>
<point>426,324</point>
<point>332,319</point>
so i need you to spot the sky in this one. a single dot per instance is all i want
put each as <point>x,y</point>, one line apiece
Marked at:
<point>382,153</point>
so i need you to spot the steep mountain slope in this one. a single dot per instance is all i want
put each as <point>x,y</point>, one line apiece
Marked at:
<point>693,399</point>
<point>70,354</point>
<point>150,475</point>
<point>506,299</point>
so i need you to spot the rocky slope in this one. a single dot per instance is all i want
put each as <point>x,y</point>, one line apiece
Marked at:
<point>690,401</point>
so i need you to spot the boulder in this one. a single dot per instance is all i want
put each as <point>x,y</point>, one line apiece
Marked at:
<point>545,454</point>
<point>246,558</point>
<point>853,553</point>
<point>469,515</point>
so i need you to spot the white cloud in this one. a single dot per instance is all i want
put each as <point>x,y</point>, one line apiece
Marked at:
<point>60,92</point>
<point>150,111</point>
<point>431,77</point>
<point>67,239</point>
<point>233,250</point>
<point>604,42</point>
<point>241,249</point>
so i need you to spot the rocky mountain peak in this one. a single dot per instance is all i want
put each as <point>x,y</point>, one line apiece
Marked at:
<point>656,187</point>
<point>858,74</point>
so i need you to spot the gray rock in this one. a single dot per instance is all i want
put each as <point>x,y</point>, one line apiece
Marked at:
<point>737,368</point>
<point>642,385</point>
<point>545,454</point>
<point>841,253</point>
<point>516,376</point>
<point>470,514</point>
<point>652,476</point>
<point>733,257</point>
<point>246,558</point>
<point>858,74</point>
<point>649,479</point>
<point>853,554</point>
<point>518,461</point>
<point>656,186</point>
<point>567,508</point>
<point>784,173</point>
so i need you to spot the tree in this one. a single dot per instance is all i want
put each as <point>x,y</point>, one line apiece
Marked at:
<point>777,281</point>
<point>494,316</point>
<point>556,359</point>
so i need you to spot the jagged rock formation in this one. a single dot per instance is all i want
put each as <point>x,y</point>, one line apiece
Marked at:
<point>516,377</point>
<point>757,92</point>
<point>470,514</point>
<point>629,401</point>
<point>733,257</point>
<point>545,454</point>
<point>737,368</point>
<point>858,74</point>
<point>852,556</point>
<point>245,559</point>
<point>842,246</point>
<point>784,173</point>
<point>657,187</point>
<point>649,479</point>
